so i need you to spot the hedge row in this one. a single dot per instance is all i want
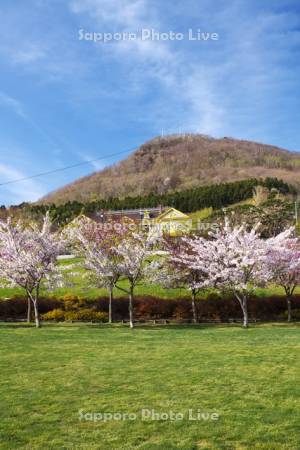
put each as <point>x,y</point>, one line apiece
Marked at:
<point>214,307</point>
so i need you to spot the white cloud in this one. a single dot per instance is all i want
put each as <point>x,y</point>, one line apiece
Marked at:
<point>28,54</point>
<point>203,89</point>
<point>158,61</point>
<point>97,165</point>
<point>126,14</point>
<point>230,88</point>
<point>207,113</point>
<point>147,61</point>
<point>13,104</point>
<point>18,108</point>
<point>35,40</point>
<point>27,190</point>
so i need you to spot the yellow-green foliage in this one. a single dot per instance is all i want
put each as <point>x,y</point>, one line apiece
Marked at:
<point>75,308</point>
<point>201,214</point>
<point>72,302</point>
<point>87,314</point>
<point>56,314</point>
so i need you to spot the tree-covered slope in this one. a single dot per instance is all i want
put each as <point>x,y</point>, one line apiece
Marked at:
<point>166,164</point>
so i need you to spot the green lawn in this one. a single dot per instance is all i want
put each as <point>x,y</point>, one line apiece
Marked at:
<point>82,287</point>
<point>251,378</point>
<point>86,291</point>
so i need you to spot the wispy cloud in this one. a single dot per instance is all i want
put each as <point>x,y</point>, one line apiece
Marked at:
<point>204,86</point>
<point>33,40</point>
<point>126,14</point>
<point>13,104</point>
<point>28,190</point>
<point>88,157</point>
<point>19,109</point>
<point>192,88</point>
<point>28,54</point>
<point>69,95</point>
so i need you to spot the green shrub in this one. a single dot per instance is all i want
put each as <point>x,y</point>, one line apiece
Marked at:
<point>56,314</point>
<point>84,314</point>
<point>72,302</point>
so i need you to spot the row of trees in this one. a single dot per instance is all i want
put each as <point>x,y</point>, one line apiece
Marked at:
<point>188,200</point>
<point>232,258</point>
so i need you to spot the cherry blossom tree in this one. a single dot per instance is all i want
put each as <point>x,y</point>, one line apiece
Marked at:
<point>135,253</point>
<point>175,269</point>
<point>28,257</point>
<point>233,259</point>
<point>283,264</point>
<point>96,242</point>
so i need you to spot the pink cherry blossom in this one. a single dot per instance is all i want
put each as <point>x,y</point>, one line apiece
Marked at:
<point>28,257</point>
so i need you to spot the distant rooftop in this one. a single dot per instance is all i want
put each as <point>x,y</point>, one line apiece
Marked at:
<point>158,209</point>
<point>136,214</point>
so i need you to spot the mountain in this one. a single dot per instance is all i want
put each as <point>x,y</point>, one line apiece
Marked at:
<point>179,162</point>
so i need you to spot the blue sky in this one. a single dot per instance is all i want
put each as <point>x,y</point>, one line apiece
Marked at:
<point>64,100</point>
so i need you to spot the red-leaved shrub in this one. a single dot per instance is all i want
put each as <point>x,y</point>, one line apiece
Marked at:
<point>214,307</point>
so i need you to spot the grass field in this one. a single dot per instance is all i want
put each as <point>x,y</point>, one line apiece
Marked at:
<point>86,291</point>
<point>82,287</point>
<point>251,378</point>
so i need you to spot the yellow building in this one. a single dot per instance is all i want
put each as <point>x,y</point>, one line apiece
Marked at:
<point>172,222</point>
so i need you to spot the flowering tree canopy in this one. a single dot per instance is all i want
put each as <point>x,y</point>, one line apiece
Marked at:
<point>28,257</point>
<point>134,253</point>
<point>97,242</point>
<point>176,269</point>
<point>283,264</point>
<point>232,258</point>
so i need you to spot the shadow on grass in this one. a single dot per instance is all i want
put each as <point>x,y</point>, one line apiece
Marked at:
<point>115,326</point>
<point>203,326</point>
<point>16,325</point>
<point>149,326</point>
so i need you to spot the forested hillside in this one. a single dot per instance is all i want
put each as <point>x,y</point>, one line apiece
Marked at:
<point>214,196</point>
<point>182,162</point>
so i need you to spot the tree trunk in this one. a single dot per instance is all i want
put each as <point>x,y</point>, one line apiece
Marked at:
<point>131,307</point>
<point>110,302</point>
<point>36,314</point>
<point>243,300</point>
<point>289,308</point>
<point>194,306</point>
<point>29,311</point>
<point>35,298</point>
<point>245,312</point>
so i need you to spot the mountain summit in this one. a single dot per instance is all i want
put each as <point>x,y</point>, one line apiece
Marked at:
<point>178,162</point>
